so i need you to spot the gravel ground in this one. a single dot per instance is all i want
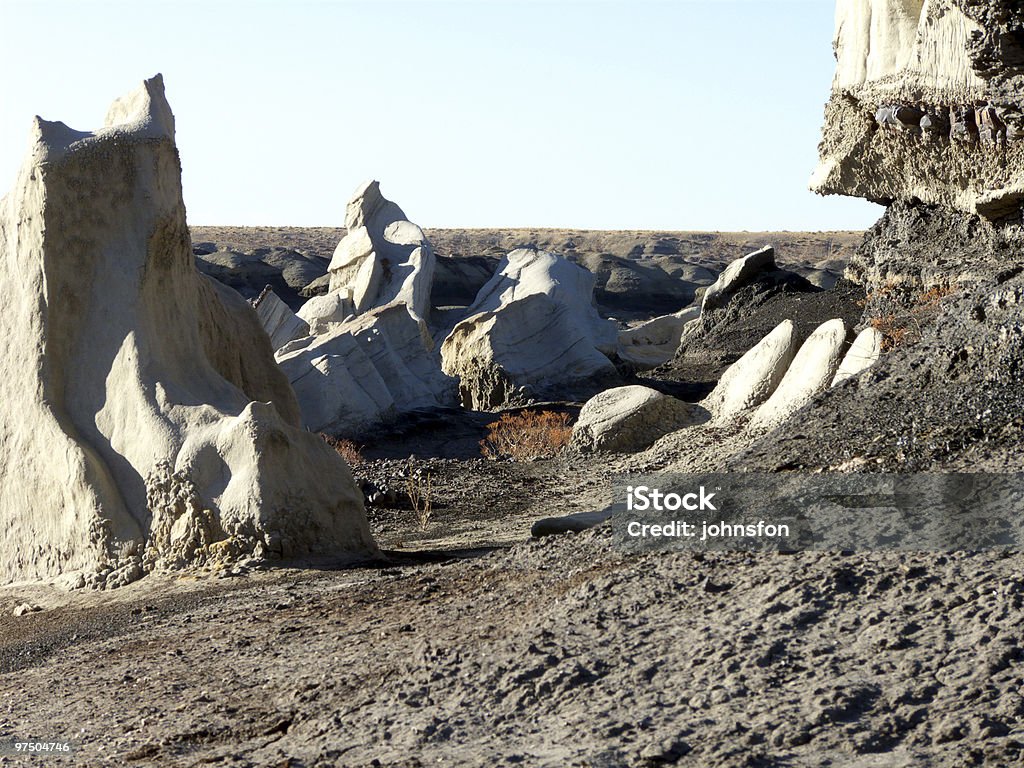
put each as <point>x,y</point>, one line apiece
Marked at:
<point>559,652</point>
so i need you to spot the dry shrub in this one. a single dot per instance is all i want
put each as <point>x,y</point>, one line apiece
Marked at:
<point>901,319</point>
<point>894,333</point>
<point>420,489</point>
<point>348,450</point>
<point>527,435</point>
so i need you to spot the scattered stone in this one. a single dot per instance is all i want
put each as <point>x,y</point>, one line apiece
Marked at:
<point>23,609</point>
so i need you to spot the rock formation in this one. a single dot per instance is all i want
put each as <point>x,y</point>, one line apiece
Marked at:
<point>655,342</point>
<point>281,324</point>
<point>753,378</point>
<point>145,424</point>
<point>926,105</point>
<point>810,373</point>
<point>627,419</point>
<point>384,258</point>
<point>863,353</point>
<point>739,273</point>
<point>532,332</point>
<point>364,372</point>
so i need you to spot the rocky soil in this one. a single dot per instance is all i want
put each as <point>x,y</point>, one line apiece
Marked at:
<point>558,652</point>
<point>470,644</point>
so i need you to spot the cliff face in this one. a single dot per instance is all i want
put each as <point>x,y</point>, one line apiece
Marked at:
<point>926,105</point>
<point>943,269</point>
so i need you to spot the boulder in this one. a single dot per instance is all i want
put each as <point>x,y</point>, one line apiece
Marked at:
<point>736,275</point>
<point>367,371</point>
<point>145,424</point>
<point>533,332</point>
<point>628,419</point>
<point>281,324</point>
<point>320,311</point>
<point>384,258</point>
<point>863,353</point>
<point>655,342</point>
<point>810,373</point>
<point>531,348</point>
<point>754,377</point>
<point>526,271</point>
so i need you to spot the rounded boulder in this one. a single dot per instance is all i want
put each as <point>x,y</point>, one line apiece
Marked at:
<point>628,419</point>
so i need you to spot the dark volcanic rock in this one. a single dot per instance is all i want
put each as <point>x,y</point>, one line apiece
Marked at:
<point>723,335</point>
<point>286,271</point>
<point>948,289</point>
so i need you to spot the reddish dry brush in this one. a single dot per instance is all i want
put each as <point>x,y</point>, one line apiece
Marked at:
<point>527,435</point>
<point>905,318</point>
<point>349,451</point>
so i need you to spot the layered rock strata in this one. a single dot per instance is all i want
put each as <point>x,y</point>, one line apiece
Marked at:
<point>927,105</point>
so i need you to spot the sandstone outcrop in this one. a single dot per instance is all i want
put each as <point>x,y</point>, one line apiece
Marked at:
<point>753,378</point>
<point>367,371</point>
<point>384,258</point>
<point>281,324</point>
<point>864,352</point>
<point>927,105</point>
<point>532,332</point>
<point>145,424</point>
<point>627,419</point>
<point>810,373</point>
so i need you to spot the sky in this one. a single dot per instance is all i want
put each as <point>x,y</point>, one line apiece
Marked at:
<point>621,114</point>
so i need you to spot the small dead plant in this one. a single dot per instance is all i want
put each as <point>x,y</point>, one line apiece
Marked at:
<point>419,487</point>
<point>527,435</point>
<point>348,450</point>
<point>901,319</point>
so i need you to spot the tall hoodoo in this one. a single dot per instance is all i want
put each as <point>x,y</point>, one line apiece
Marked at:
<point>145,424</point>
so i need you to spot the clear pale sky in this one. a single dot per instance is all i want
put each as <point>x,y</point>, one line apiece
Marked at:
<point>700,114</point>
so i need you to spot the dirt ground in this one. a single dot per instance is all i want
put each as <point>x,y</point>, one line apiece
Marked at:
<point>470,643</point>
<point>557,652</point>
